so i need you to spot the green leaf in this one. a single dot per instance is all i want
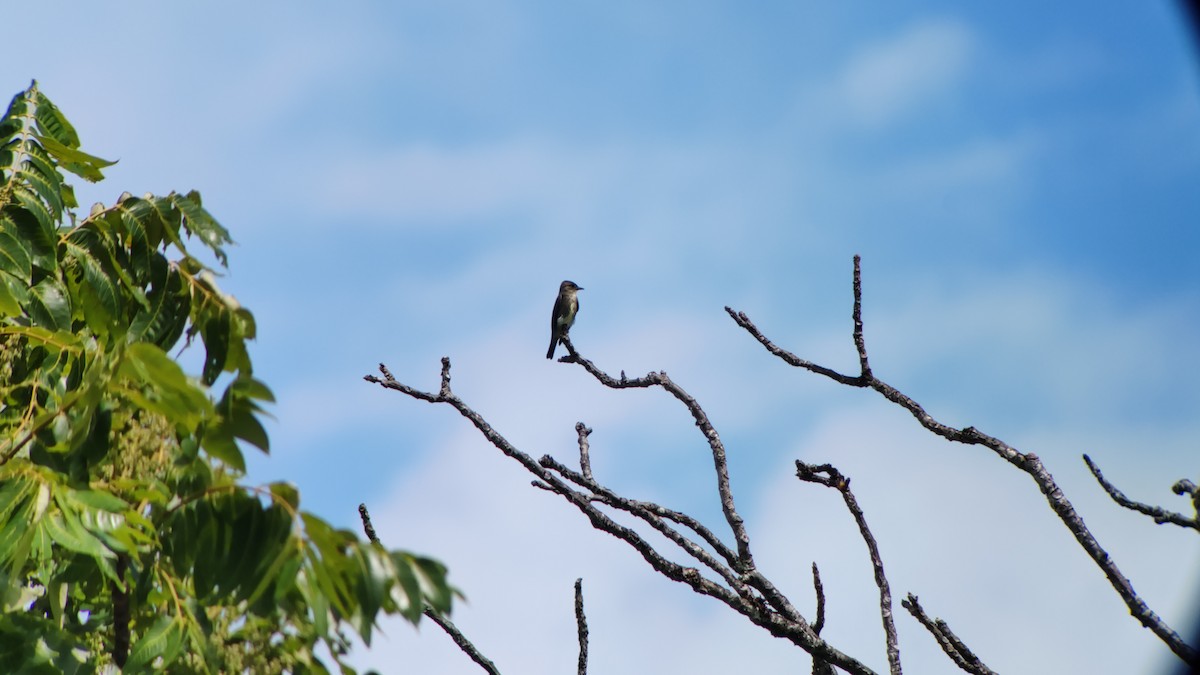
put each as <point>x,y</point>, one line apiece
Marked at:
<point>54,341</point>
<point>238,412</point>
<point>50,306</point>
<point>407,592</point>
<point>99,499</point>
<point>215,332</point>
<point>163,320</point>
<point>286,493</point>
<point>76,161</point>
<point>218,441</point>
<point>70,534</point>
<point>202,224</point>
<point>164,639</point>
<point>52,122</point>
<point>81,248</point>
<point>164,386</point>
<point>13,294</point>
<point>16,254</point>
<point>35,223</point>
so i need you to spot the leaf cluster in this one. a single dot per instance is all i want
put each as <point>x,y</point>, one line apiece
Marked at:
<point>125,535</point>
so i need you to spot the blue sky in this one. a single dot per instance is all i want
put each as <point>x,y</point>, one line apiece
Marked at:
<point>410,180</point>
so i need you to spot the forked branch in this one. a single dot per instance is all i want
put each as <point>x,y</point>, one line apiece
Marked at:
<point>955,648</point>
<point>827,475</point>
<point>1027,462</point>
<point>741,586</point>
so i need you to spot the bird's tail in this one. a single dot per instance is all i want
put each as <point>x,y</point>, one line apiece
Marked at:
<point>553,344</point>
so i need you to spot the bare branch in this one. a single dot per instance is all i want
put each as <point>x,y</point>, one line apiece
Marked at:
<point>366,521</point>
<point>819,667</point>
<point>581,627</point>
<point>827,475</point>
<point>1159,514</point>
<point>770,611</point>
<point>461,640</point>
<point>819,625</point>
<point>442,621</point>
<point>1027,462</point>
<point>585,461</point>
<point>720,464</point>
<point>955,648</point>
<point>860,343</point>
<point>654,515</point>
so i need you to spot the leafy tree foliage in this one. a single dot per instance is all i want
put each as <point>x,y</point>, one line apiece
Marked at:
<point>125,535</point>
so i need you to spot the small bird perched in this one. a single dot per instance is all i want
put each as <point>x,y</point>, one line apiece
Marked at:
<point>565,308</point>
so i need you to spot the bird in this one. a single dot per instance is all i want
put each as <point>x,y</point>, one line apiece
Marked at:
<point>565,308</point>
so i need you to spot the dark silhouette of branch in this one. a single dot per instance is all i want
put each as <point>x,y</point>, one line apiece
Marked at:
<point>1027,462</point>
<point>368,528</point>
<point>819,667</point>
<point>1159,514</point>
<point>744,588</point>
<point>585,461</point>
<point>827,475</point>
<point>819,588</point>
<point>120,650</point>
<point>581,627</point>
<point>461,640</point>
<point>443,622</point>
<point>710,434</point>
<point>957,651</point>
<point>1186,487</point>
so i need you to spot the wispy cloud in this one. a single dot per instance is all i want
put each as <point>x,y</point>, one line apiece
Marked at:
<point>896,76</point>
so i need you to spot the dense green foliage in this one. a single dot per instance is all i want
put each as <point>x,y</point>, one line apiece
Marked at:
<point>125,536</point>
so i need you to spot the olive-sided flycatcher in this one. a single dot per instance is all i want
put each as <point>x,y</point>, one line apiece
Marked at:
<point>565,308</point>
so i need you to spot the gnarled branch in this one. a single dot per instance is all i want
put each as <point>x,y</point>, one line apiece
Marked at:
<point>1027,462</point>
<point>744,588</point>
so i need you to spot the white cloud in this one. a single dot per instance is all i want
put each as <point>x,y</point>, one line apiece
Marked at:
<point>897,76</point>
<point>987,168</point>
<point>465,182</point>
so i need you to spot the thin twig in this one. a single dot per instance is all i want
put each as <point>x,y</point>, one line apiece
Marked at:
<point>461,640</point>
<point>443,622</point>
<point>819,667</point>
<point>366,523</point>
<point>819,624</point>
<point>1027,462</point>
<point>950,643</point>
<point>581,627</point>
<point>827,475</point>
<point>585,460</point>
<point>1159,514</point>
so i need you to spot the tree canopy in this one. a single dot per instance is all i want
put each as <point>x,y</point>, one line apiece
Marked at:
<point>126,533</point>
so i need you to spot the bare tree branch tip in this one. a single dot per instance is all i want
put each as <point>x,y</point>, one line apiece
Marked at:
<point>581,627</point>
<point>366,523</point>
<point>1184,487</point>
<point>1160,515</point>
